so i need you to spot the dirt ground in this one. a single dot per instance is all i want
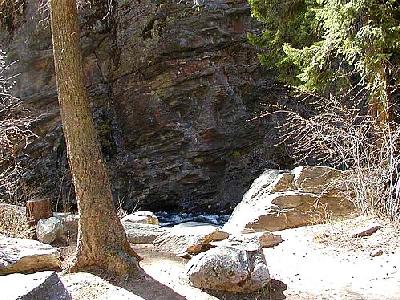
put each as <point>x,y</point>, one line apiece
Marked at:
<point>314,262</point>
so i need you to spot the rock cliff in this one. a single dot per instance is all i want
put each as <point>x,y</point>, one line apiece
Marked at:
<point>172,86</point>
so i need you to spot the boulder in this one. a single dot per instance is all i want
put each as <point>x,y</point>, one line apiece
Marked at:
<point>189,238</point>
<point>48,230</point>
<point>23,255</point>
<point>239,267</point>
<point>278,200</point>
<point>144,217</point>
<point>138,233</point>
<point>13,221</point>
<point>70,223</point>
<point>41,285</point>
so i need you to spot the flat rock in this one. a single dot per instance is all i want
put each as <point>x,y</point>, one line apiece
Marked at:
<point>189,238</point>
<point>23,256</point>
<point>267,206</point>
<point>138,233</point>
<point>240,268</point>
<point>41,285</point>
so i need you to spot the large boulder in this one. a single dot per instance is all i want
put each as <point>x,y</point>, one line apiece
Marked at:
<point>189,238</point>
<point>237,267</point>
<point>23,255</point>
<point>278,200</point>
<point>138,233</point>
<point>144,217</point>
<point>49,230</point>
<point>41,285</point>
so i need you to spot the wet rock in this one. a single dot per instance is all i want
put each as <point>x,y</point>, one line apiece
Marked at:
<point>144,217</point>
<point>48,230</point>
<point>307,200</point>
<point>138,233</point>
<point>41,285</point>
<point>23,255</point>
<point>189,238</point>
<point>240,267</point>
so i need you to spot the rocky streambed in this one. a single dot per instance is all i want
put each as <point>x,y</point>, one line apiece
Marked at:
<point>268,246</point>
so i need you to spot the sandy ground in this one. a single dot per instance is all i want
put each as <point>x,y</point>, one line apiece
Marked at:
<point>314,262</point>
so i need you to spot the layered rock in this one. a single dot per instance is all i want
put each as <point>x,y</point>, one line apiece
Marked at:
<point>172,89</point>
<point>279,199</point>
<point>23,255</point>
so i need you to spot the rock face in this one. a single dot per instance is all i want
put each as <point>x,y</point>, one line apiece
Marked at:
<point>22,255</point>
<point>48,230</point>
<point>278,200</point>
<point>234,268</point>
<point>172,89</point>
<point>143,217</point>
<point>189,238</point>
<point>41,285</point>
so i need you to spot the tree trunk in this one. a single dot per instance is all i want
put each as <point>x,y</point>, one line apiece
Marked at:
<point>102,242</point>
<point>38,209</point>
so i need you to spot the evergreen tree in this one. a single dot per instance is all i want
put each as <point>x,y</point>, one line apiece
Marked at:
<point>330,46</point>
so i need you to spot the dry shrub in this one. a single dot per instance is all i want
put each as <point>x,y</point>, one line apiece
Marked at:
<point>15,132</point>
<point>342,133</point>
<point>11,12</point>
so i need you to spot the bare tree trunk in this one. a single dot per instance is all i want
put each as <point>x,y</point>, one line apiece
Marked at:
<point>102,242</point>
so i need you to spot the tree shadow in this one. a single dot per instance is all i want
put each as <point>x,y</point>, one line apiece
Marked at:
<point>274,291</point>
<point>146,287</point>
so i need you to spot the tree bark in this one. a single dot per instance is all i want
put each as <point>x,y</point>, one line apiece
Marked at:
<point>38,209</point>
<point>102,242</point>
